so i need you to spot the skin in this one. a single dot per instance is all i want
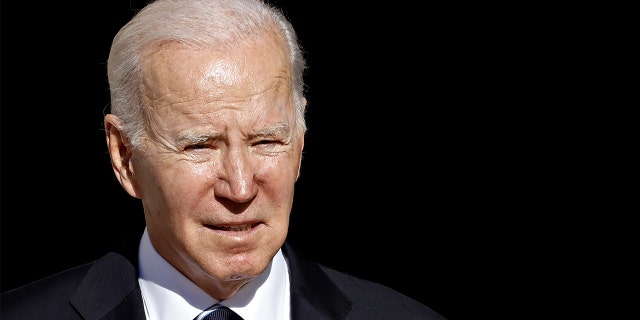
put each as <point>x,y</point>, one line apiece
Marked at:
<point>222,149</point>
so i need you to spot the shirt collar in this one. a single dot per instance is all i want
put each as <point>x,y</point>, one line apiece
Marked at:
<point>169,295</point>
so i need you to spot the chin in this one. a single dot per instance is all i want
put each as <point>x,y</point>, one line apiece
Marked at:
<point>244,266</point>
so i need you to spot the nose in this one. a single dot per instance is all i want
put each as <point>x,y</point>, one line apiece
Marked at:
<point>236,174</point>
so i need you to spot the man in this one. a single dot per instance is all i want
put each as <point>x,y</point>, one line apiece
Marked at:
<point>207,129</point>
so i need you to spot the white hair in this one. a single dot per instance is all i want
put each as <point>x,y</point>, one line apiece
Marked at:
<point>197,23</point>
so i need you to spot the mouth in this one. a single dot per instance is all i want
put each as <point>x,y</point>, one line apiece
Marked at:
<point>239,227</point>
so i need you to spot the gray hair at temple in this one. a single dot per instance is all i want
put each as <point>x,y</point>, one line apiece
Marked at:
<point>196,23</point>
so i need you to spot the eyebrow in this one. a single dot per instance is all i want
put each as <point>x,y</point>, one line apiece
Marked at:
<point>193,137</point>
<point>279,131</point>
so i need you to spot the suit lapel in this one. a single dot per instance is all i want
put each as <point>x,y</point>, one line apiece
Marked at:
<point>313,294</point>
<point>110,289</point>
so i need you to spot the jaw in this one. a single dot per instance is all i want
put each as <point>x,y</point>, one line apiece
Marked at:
<point>227,257</point>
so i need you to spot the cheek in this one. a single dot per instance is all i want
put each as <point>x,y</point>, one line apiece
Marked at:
<point>198,171</point>
<point>179,183</point>
<point>280,170</point>
<point>190,180</point>
<point>278,181</point>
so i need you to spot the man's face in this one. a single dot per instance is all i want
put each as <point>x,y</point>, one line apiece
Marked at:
<point>217,174</point>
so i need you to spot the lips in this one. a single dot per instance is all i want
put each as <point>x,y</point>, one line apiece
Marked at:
<point>239,227</point>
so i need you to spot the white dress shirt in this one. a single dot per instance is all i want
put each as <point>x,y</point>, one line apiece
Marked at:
<point>169,295</point>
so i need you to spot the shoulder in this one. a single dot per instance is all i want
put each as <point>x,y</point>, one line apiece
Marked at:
<point>51,293</point>
<point>91,288</point>
<point>374,300</point>
<point>318,289</point>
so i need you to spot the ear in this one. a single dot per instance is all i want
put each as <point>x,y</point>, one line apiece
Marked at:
<point>304,101</point>
<point>301,156</point>
<point>120,152</point>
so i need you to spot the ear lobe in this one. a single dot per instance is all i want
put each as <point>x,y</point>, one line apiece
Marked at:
<point>120,153</point>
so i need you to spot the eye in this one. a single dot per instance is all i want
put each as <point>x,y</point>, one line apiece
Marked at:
<point>262,142</point>
<point>196,146</point>
<point>270,146</point>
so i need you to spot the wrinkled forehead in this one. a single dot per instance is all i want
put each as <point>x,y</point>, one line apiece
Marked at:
<point>267,47</point>
<point>245,70</point>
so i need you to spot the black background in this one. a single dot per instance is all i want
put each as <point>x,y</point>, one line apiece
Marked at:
<point>408,169</point>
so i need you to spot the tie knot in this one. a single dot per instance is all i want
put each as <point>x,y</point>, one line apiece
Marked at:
<point>218,312</point>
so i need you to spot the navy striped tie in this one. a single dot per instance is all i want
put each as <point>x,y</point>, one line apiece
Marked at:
<point>218,312</point>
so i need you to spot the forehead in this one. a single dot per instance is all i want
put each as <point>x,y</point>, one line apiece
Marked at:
<point>186,88</point>
<point>243,70</point>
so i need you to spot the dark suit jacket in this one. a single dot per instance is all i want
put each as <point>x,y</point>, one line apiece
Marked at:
<point>108,289</point>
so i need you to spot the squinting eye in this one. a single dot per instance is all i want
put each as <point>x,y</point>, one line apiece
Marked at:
<point>267,142</point>
<point>196,146</point>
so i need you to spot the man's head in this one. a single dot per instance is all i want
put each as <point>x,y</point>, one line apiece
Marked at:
<point>207,129</point>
